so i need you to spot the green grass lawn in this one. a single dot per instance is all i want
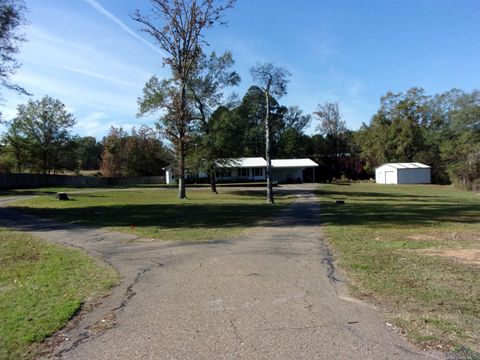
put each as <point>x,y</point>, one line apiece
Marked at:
<point>157,213</point>
<point>56,189</point>
<point>75,189</point>
<point>42,286</point>
<point>384,238</point>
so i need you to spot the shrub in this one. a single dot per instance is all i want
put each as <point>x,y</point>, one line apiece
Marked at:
<point>476,185</point>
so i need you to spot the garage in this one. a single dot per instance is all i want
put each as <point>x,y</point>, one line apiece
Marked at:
<point>403,173</point>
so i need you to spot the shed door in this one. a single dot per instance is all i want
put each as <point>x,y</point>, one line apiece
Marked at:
<point>390,177</point>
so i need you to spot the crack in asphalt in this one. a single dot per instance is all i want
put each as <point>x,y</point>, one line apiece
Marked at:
<point>85,335</point>
<point>294,328</point>
<point>327,259</point>
<point>129,293</point>
<point>80,339</point>
<point>235,332</point>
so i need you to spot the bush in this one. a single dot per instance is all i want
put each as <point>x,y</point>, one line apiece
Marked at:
<point>7,165</point>
<point>476,185</point>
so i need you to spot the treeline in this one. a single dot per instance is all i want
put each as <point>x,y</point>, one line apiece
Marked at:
<point>442,131</point>
<point>39,140</point>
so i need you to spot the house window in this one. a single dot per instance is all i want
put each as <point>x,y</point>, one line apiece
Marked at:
<point>243,172</point>
<point>258,172</point>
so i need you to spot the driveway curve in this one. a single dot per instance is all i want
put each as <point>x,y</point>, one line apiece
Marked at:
<point>272,293</point>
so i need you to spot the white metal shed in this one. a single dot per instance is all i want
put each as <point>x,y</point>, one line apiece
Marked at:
<point>403,173</point>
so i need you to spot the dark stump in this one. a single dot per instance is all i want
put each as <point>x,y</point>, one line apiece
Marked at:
<point>62,196</point>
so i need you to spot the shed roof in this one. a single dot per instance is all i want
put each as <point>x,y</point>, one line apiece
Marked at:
<point>289,163</point>
<point>414,165</point>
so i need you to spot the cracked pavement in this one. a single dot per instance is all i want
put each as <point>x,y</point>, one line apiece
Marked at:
<point>273,292</point>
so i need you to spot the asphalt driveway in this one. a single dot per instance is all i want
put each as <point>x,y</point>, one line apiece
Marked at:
<point>272,293</point>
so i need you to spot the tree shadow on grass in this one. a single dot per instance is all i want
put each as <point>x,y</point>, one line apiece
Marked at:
<point>168,216</point>
<point>279,192</point>
<point>25,192</point>
<point>263,193</point>
<point>394,212</point>
<point>367,194</point>
<point>369,212</point>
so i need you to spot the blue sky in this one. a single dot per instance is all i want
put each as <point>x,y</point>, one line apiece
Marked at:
<point>91,55</point>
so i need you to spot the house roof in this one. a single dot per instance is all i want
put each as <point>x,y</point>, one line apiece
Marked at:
<point>251,162</point>
<point>247,162</point>
<point>414,165</point>
<point>289,163</point>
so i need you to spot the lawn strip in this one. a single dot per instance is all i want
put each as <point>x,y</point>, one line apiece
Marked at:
<point>42,286</point>
<point>384,237</point>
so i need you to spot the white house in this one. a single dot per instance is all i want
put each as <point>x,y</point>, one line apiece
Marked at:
<point>403,173</point>
<point>251,168</point>
<point>254,169</point>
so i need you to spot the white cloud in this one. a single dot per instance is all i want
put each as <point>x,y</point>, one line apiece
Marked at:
<point>98,123</point>
<point>323,49</point>
<point>98,76</point>
<point>91,124</point>
<point>86,79</point>
<point>121,24</point>
<point>44,50</point>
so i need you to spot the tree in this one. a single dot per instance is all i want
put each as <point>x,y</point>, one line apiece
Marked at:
<point>292,144</point>
<point>273,81</point>
<point>16,146</point>
<point>397,131</point>
<point>44,127</point>
<point>114,157</point>
<point>296,119</point>
<point>331,124</point>
<point>251,113</point>
<point>206,87</point>
<point>373,143</point>
<point>460,141</point>
<point>138,153</point>
<point>178,27</point>
<point>7,162</point>
<point>88,153</point>
<point>334,130</point>
<point>11,19</point>
<point>145,153</point>
<point>291,141</point>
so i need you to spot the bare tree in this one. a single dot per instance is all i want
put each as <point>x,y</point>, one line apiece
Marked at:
<point>331,124</point>
<point>273,81</point>
<point>178,28</point>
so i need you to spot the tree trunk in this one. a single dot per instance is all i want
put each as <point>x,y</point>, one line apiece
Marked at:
<point>44,162</point>
<point>268,150</point>
<point>213,181</point>
<point>181,172</point>
<point>181,164</point>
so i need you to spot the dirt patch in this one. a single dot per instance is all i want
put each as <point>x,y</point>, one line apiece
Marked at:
<point>447,236</point>
<point>465,256</point>
<point>423,237</point>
